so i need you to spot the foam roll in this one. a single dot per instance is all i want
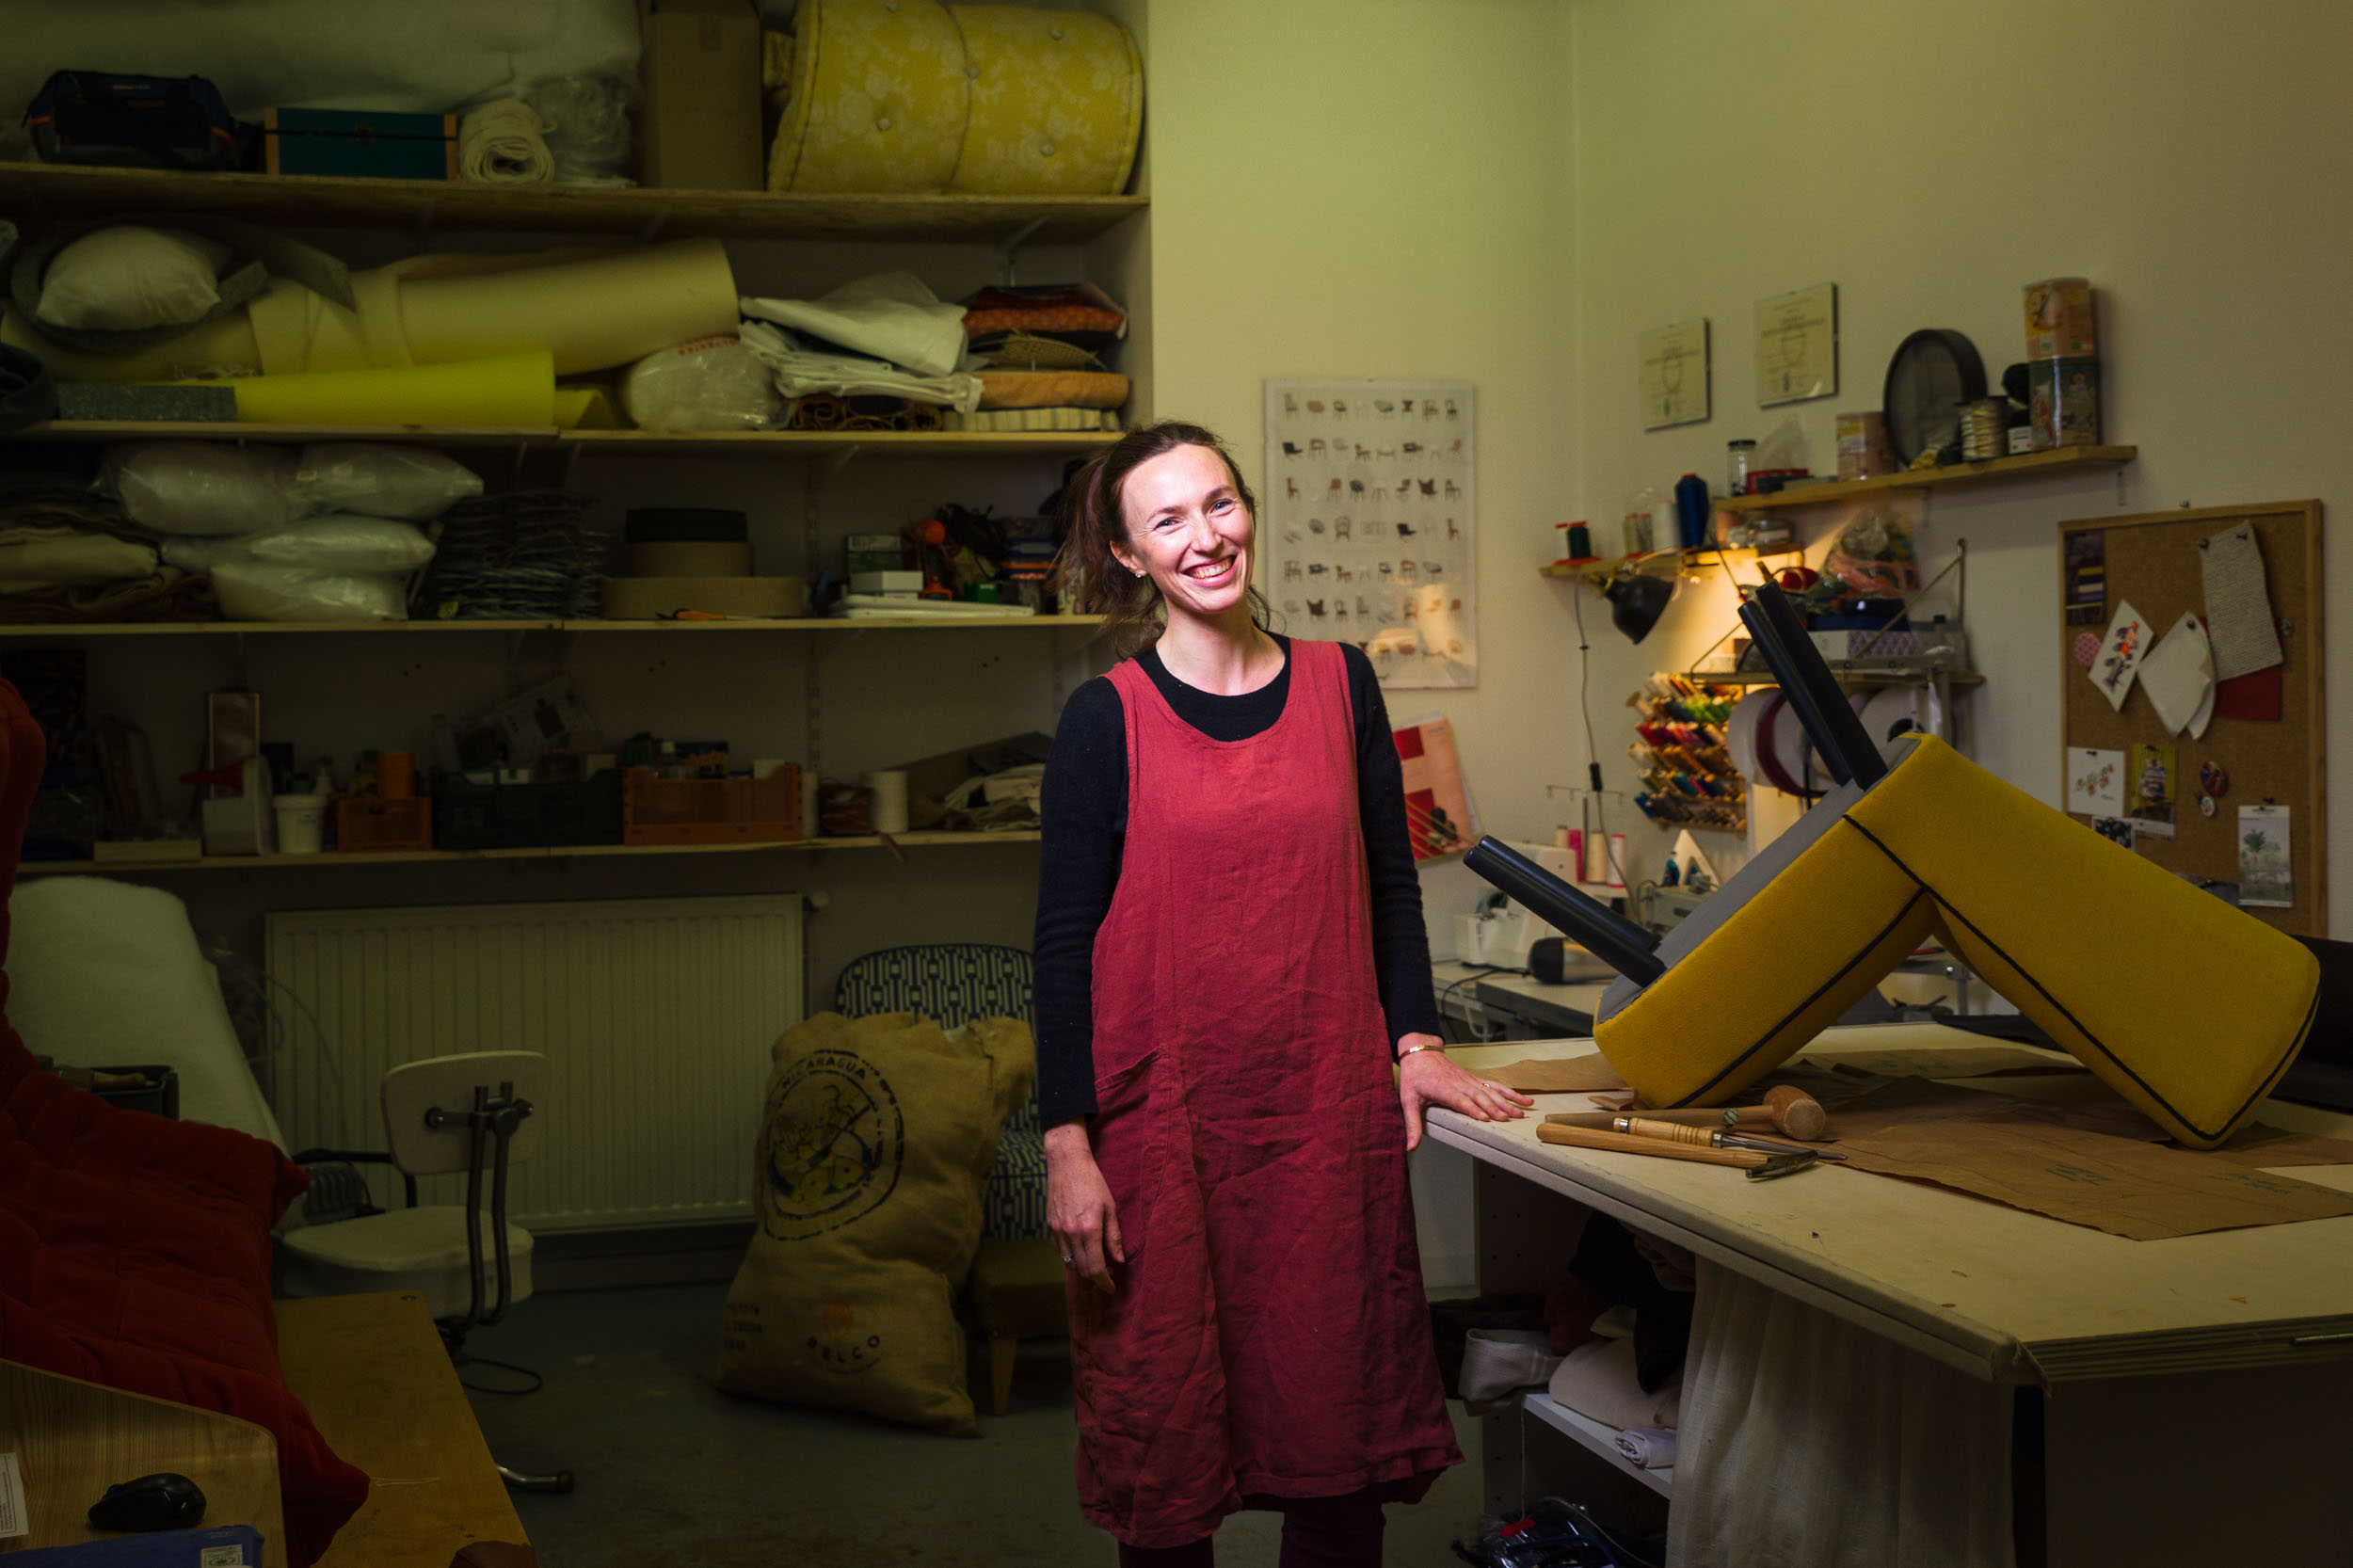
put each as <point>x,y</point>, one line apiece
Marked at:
<point>517,393</point>
<point>586,312</point>
<point>889,789</point>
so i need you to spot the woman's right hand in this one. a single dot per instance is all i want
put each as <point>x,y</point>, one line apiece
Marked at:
<point>1080,1212</point>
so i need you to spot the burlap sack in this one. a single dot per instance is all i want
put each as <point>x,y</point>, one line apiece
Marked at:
<point>877,1138</point>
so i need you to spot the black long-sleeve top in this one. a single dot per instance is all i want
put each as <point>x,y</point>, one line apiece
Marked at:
<point>1085,811</point>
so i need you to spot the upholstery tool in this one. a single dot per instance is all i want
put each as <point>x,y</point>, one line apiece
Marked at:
<point>1708,1138</point>
<point>1606,934</point>
<point>1791,1111</point>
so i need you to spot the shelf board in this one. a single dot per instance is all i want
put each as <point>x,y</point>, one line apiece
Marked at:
<point>1600,1438</point>
<point>1839,672</point>
<point>311,202</point>
<point>2030,465</point>
<point>441,856</point>
<point>714,443</point>
<point>1690,560</point>
<point>381,628</point>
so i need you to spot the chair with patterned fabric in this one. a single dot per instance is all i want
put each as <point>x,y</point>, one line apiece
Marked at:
<point>1017,1283</point>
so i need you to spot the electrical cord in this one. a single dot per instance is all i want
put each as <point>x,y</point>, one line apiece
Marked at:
<point>1592,749</point>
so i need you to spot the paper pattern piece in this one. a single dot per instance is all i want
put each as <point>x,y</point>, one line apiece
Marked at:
<point>2095,781</point>
<point>2178,674</point>
<point>2087,577</point>
<point>1797,345</point>
<point>2152,778</point>
<point>2120,652</point>
<point>1368,534</point>
<point>1438,811</point>
<point>1675,375</point>
<point>2238,603</point>
<point>2265,875</point>
<point>1564,1074</point>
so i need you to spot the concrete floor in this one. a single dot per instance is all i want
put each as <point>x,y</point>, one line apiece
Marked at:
<point>670,1470</point>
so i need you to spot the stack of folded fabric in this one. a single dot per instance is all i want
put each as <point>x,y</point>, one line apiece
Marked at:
<point>887,336</point>
<point>530,555</point>
<point>64,562</point>
<point>1046,353</point>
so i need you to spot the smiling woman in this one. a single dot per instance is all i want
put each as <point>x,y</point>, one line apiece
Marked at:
<point>1230,955</point>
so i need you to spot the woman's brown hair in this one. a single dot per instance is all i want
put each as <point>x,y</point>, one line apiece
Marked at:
<point>1088,573</point>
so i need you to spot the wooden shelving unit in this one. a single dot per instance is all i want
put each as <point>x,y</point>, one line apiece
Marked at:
<point>719,443</point>
<point>312,202</point>
<point>1594,1435</point>
<point>1845,674</point>
<point>2032,465</point>
<point>441,856</point>
<point>445,628</point>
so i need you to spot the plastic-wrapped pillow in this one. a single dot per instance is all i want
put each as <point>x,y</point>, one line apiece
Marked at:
<point>201,487</point>
<point>129,279</point>
<point>381,481</point>
<point>702,384</point>
<point>255,590</point>
<point>333,544</point>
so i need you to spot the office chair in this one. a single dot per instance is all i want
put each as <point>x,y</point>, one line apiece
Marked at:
<point>442,1115</point>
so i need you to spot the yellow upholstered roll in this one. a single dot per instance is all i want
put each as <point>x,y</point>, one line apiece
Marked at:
<point>2188,1008</point>
<point>1057,102</point>
<point>880,97</point>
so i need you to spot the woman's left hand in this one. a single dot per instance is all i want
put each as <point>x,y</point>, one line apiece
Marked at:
<point>1427,1078</point>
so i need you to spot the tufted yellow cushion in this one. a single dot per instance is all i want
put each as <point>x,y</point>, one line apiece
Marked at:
<point>1772,958</point>
<point>880,98</point>
<point>1057,102</point>
<point>2186,1007</point>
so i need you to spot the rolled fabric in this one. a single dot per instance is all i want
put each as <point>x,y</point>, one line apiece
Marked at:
<point>1652,1448</point>
<point>505,144</point>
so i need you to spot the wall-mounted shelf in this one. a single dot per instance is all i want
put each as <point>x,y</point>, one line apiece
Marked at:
<point>1600,1438</point>
<point>441,856</point>
<point>742,443</point>
<point>311,202</point>
<point>381,628</point>
<point>1601,568</point>
<point>1845,674</point>
<point>2031,465</point>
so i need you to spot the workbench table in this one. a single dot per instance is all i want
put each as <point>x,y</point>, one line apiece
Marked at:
<point>2195,1387</point>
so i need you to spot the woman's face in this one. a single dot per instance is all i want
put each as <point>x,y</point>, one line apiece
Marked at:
<point>1188,531</point>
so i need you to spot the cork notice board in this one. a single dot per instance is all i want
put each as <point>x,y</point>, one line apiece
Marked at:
<point>2157,564</point>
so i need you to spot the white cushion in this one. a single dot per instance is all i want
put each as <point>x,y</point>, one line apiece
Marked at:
<point>421,1250</point>
<point>126,278</point>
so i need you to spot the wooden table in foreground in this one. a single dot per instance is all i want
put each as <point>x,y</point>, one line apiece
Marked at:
<point>372,1372</point>
<point>2196,1389</point>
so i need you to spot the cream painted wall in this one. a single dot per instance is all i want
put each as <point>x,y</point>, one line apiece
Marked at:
<point>1380,188</point>
<point>1930,162</point>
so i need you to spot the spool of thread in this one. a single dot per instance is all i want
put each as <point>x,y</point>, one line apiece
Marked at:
<point>889,788</point>
<point>396,775</point>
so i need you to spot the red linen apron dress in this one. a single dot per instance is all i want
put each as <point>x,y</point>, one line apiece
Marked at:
<point>1269,1334</point>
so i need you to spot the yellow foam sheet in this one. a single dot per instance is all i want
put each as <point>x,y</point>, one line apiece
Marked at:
<point>225,347</point>
<point>1057,102</point>
<point>514,393</point>
<point>588,310</point>
<point>585,409</point>
<point>879,99</point>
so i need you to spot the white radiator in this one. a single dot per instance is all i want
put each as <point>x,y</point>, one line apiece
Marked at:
<point>656,1016</point>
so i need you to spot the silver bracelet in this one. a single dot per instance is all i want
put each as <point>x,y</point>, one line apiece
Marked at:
<point>1411,1049</point>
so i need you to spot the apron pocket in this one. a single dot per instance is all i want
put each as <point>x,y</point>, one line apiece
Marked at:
<point>1127,1136</point>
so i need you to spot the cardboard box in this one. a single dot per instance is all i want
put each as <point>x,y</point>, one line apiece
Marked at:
<point>699,129</point>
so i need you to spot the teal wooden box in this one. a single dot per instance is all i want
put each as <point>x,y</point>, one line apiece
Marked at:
<point>361,144</point>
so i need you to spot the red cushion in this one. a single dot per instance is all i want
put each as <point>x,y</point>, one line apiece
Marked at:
<point>135,1251</point>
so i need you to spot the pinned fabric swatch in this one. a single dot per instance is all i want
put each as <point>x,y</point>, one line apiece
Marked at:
<point>2259,696</point>
<point>2238,603</point>
<point>2178,674</point>
<point>2120,652</point>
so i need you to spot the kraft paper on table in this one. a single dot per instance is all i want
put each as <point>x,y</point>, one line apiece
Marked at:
<point>1569,1075</point>
<point>2100,1164</point>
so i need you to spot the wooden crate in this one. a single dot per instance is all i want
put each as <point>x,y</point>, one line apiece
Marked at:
<point>658,810</point>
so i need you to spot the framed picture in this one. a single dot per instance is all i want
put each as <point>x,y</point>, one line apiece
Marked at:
<point>1797,345</point>
<point>1675,370</point>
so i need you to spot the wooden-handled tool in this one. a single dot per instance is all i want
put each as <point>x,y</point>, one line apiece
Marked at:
<point>1791,1111</point>
<point>1621,1143</point>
